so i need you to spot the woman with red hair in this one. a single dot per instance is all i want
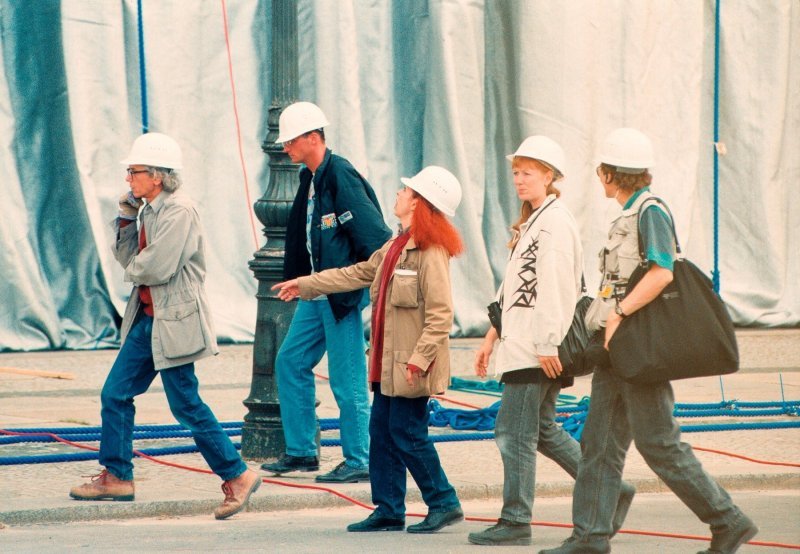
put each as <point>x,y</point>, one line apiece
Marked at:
<point>412,314</point>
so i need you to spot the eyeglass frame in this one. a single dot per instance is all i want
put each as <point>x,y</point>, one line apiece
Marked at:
<point>306,134</point>
<point>131,172</point>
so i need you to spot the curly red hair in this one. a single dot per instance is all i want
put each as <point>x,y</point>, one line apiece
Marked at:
<point>430,227</point>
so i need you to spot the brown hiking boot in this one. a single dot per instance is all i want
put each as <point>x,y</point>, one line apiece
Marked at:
<point>237,493</point>
<point>104,486</point>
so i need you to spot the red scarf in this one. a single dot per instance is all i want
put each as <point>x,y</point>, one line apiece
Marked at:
<point>144,291</point>
<point>379,307</point>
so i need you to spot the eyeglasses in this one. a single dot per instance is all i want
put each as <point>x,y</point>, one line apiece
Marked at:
<point>304,135</point>
<point>132,172</point>
<point>295,139</point>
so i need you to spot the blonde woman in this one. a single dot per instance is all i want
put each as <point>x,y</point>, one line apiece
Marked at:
<point>541,286</point>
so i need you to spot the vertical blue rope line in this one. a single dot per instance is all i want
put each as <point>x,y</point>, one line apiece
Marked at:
<point>783,398</point>
<point>715,271</point>
<point>721,389</point>
<point>142,78</point>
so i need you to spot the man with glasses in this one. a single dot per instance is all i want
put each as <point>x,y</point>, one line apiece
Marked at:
<point>166,327</point>
<point>335,221</point>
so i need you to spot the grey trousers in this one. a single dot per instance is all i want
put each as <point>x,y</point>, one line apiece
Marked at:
<point>618,413</point>
<point>526,423</point>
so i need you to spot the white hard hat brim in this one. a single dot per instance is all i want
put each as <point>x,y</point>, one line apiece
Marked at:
<point>410,183</point>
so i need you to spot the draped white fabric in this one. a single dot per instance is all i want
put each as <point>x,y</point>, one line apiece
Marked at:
<point>458,83</point>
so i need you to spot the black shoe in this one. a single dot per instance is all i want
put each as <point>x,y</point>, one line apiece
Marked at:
<point>727,540</point>
<point>376,522</point>
<point>503,533</point>
<point>289,463</point>
<point>436,520</point>
<point>343,473</point>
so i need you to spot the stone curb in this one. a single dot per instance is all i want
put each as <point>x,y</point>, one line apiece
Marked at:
<point>92,511</point>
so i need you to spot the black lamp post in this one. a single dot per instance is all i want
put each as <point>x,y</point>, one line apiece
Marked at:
<point>262,433</point>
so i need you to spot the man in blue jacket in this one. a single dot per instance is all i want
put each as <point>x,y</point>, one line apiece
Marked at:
<point>335,221</point>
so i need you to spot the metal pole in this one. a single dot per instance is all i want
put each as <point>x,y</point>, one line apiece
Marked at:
<point>262,432</point>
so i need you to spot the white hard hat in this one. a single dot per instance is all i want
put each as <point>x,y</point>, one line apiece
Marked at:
<point>155,150</point>
<point>628,149</point>
<point>438,186</point>
<point>543,149</point>
<point>299,118</point>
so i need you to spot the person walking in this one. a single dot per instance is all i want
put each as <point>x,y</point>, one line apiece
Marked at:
<point>542,283</point>
<point>621,412</point>
<point>166,327</point>
<point>412,314</point>
<point>335,221</point>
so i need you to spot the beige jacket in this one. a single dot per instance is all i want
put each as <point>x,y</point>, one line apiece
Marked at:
<point>173,266</point>
<point>419,313</point>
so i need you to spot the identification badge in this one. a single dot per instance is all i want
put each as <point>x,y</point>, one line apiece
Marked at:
<point>345,217</point>
<point>328,221</point>
<point>606,291</point>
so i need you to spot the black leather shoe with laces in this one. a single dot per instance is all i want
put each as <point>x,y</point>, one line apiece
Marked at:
<point>436,520</point>
<point>289,463</point>
<point>376,522</point>
<point>343,473</point>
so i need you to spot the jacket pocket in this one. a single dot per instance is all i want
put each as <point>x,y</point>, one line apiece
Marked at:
<point>405,288</point>
<point>399,383</point>
<point>180,329</point>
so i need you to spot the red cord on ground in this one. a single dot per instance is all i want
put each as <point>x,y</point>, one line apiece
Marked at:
<point>238,127</point>
<point>787,464</point>
<point>368,507</point>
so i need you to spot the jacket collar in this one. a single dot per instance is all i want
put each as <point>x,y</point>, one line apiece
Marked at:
<point>323,167</point>
<point>631,207</point>
<point>159,201</point>
<point>410,245</point>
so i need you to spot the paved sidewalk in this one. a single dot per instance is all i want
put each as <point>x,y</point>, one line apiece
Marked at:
<point>39,493</point>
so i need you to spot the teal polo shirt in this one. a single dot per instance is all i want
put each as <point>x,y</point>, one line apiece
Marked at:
<point>656,231</point>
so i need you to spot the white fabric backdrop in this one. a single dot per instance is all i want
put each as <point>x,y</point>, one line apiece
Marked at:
<point>457,83</point>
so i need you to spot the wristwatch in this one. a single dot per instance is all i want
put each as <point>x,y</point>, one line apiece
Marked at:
<point>618,311</point>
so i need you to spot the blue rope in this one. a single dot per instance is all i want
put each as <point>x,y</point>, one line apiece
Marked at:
<point>142,76</point>
<point>715,277</point>
<point>481,420</point>
<point>82,456</point>
<point>741,426</point>
<point>89,437</point>
<point>160,427</point>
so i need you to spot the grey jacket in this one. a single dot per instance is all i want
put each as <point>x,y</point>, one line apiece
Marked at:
<point>173,266</point>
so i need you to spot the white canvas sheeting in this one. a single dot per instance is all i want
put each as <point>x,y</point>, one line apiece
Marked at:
<point>458,83</point>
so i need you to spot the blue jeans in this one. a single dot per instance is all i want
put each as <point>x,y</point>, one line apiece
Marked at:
<point>313,331</point>
<point>618,413</point>
<point>526,422</point>
<point>130,376</point>
<point>398,429</point>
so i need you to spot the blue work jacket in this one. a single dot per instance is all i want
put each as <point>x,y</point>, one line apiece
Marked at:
<point>346,228</point>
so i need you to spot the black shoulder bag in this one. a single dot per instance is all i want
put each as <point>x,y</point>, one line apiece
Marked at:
<point>570,351</point>
<point>685,332</point>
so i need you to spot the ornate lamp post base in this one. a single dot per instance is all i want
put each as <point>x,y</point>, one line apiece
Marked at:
<point>262,433</point>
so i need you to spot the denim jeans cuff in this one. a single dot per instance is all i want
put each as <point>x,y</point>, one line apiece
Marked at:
<point>445,509</point>
<point>382,512</point>
<point>302,453</point>
<point>234,473</point>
